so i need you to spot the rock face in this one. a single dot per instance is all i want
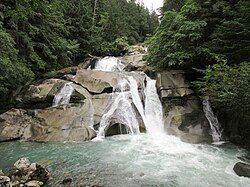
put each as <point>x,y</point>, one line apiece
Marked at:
<point>34,118</point>
<point>26,174</point>
<point>242,169</point>
<point>74,119</point>
<point>184,116</point>
<point>236,129</point>
<point>173,84</point>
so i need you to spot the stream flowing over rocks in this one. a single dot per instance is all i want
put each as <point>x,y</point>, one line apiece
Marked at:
<point>104,97</point>
<point>163,130</point>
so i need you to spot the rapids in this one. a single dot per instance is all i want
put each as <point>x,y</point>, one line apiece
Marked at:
<point>131,161</point>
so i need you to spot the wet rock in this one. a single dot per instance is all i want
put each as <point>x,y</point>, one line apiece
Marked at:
<point>33,183</point>
<point>245,159</point>
<point>242,169</point>
<point>67,181</point>
<point>22,164</point>
<point>5,181</point>
<point>27,174</point>
<point>40,174</point>
<point>185,119</point>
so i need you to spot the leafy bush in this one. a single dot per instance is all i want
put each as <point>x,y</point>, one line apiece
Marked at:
<point>228,87</point>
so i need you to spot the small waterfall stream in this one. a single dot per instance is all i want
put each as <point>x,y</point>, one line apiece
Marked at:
<point>153,109</point>
<point>119,108</point>
<point>213,121</point>
<point>109,64</point>
<point>63,97</point>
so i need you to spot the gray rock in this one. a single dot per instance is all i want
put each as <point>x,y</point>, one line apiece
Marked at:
<point>34,183</point>
<point>17,124</point>
<point>173,84</point>
<point>242,169</point>
<point>32,167</point>
<point>40,94</point>
<point>97,81</point>
<point>5,181</point>
<point>22,164</point>
<point>1,173</point>
<point>40,174</point>
<point>185,119</point>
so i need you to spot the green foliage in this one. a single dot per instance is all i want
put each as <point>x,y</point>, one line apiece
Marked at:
<point>174,5</point>
<point>228,87</point>
<point>176,41</point>
<point>43,36</point>
<point>118,19</point>
<point>212,36</point>
<point>202,33</point>
<point>13,71</point>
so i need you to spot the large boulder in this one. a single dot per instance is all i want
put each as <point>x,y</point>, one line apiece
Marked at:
<point>100,103</point>
<point>185,119</point>
<point>183,112</point>
<point>173,84</point>
<point>134,62</point>
<point>242,169</point>
<point>16,124</point>
<point>66,123</point>
<point>39,94</point>
<point>97,81</point>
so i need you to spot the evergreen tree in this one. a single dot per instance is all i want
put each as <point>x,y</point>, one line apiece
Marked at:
<point>41,36</point>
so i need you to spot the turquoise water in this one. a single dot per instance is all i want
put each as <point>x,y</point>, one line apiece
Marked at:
<point>132,161</point>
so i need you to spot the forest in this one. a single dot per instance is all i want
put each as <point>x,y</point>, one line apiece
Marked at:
<point>42,36</point>
<point>210,40</point>
<point>111,93</point>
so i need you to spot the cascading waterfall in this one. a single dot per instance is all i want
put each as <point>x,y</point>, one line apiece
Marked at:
<point>213,121</point>
<point>121,109</point>
<point>124,94</point>
<point>109,64</point>
<point>153,109</point>
<point>63,97</point>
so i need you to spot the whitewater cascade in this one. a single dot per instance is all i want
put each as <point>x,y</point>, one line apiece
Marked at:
<point>213,121</point>
<point>63,96</point>
<point>153,109</point>
<point>125,100</point>
<point>120,108</point>
<point>109,64</point>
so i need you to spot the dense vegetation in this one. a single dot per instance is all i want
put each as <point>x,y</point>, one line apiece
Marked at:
<point>212,37</point>
<point>40,36</point>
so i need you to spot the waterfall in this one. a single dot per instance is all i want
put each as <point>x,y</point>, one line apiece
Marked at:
<point>125,94</point>
<point>153,109</point>
<point>63,97</point>
<point>136,97</point>
<point>119,108</point>
<point>109,64</point>
<point>213,121</point>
